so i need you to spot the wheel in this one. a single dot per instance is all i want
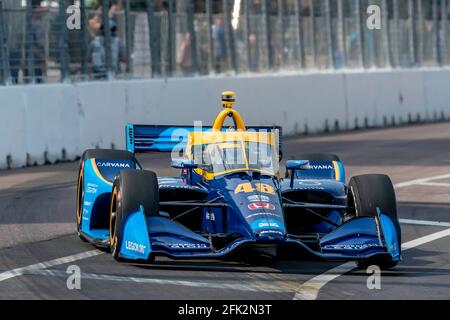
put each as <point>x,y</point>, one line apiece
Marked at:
<point>365,194</point>
<point>94,154</point>
<point>131,189</point>
<point>314,157</point>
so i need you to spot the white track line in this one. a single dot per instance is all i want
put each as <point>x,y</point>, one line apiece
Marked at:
<point>421,181</point>
<point>429,238</point>
<point>310,289</point>
<point>434,184</point>
<point>425,222</point>
<point>47,264</point>
<point>252,286</point>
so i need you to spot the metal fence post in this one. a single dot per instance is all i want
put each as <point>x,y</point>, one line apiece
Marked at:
<point>4,48</point>
<point>395,41</point>
<point>436,51</point>
<point>128,38</point>
<point>330,46</point>
<point>313,32</point>
<point>367,36</point>
<point>62,41</point>
<point>28,44</point>
<point>412,32</point>
<point>357,13</point>
<point>420,22</point>
<point>230,35</point>
<point>153,38</point>
<point>83,39</point>
<point>341,33</point>
<point>171,38</point>
<point>193,35</point>
<point>268,31</point>
<point>247,33</point>
<point>209,13</point>
<point>362,38</point>
<point>283,21</point>
<point>443,35</point>
<point>385,34</point>
<point>301,44</point>
<point>107,38</point>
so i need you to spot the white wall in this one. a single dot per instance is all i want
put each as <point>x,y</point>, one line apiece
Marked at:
<point>46,119</point>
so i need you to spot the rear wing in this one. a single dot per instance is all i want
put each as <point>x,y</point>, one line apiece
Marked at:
<point>160,138</point>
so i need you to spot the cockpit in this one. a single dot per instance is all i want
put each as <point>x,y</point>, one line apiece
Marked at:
<point>219,153</point>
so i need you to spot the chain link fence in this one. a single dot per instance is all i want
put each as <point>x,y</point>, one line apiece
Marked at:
<point>185,38</point>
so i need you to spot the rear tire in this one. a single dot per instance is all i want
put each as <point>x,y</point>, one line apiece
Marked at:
<point>94,154</point>
<point>131,189</point>
<point>365,194</point>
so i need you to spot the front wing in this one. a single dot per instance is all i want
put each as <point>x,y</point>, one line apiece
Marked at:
<point>358,239</point>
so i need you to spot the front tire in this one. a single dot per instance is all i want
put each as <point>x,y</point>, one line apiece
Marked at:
<point>365,194</point>
<point>131,190</point>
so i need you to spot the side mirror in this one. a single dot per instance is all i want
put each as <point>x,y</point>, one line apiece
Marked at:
<point>297,164</point>
<point>183,164</point>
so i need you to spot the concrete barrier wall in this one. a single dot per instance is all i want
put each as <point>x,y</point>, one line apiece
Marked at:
<point>51,122</point>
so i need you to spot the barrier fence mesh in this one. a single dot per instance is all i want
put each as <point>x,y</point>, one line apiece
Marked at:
<point>81,40</point>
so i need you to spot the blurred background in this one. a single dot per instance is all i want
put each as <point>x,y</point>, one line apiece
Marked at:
<point>189,38</point>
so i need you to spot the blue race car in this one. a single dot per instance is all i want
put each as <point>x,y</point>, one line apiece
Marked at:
<point>230,200</point>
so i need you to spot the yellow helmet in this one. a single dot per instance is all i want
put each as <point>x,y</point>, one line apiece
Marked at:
<point>228,99</point>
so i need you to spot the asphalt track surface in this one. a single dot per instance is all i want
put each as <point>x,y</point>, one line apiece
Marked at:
<point>38,241</point>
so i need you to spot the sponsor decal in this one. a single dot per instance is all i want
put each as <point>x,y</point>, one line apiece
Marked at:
<point>265,214</point>
<point>258,198</point>
<point>270,231</point>
<point>178,186</point>
<point>261,206</point>
<point>106,164</point>
<point>91,188</point>
<point>268,224</point>
<point>188,246</point>
<point>351,246</point>
<point>271,224</point>
<point>210,216</point>
<point>321,167</point>
<point>247,187</point>
<point>309,183</point>
<point>85,214</point>
<point>311,188</point>
<point>135,247</point>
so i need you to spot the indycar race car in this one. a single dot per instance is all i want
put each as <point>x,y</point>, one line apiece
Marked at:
<point>230,200</point>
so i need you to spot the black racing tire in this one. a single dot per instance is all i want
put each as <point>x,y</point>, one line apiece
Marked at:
<point>94,154</point>
<point>314,157</point>
<point>131,189</point>
<point>365,194</point>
